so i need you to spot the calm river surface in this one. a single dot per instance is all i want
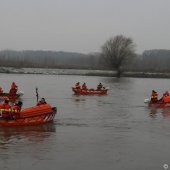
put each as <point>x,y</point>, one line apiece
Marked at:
<point>112,132</point>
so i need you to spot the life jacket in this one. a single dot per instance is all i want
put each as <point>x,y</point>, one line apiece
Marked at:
<point>166,94</point>
<point>154,95</point>
<point>13,91</point>
<point>5,110</point>
<point>16,108</point>
<point>14,85</point>
<point>15,111</point>
<point>99,87</point>
<point>5,106</point>
<point>166,99</point>
<point>41,103</point>
<point>77,86</point>
<point>84,87</point>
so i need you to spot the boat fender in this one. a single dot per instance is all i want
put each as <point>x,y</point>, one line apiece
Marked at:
<point>146,100</point>
<point>107,88</point>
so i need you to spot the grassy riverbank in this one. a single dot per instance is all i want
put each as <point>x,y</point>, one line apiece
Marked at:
<point>105,73</point>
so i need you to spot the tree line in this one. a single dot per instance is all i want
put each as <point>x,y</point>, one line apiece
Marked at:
<point>117,53</point>
<point>48,59</point>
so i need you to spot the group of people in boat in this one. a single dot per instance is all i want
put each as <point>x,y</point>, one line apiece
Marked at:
<point>78,86</point>
<point>165,97</point>
<point>8,111</point>
<point>13,90</point>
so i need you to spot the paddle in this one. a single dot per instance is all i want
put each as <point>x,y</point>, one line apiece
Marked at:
<point>37,93</point>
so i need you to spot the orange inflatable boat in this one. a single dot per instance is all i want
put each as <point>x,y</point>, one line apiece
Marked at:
<point>10,97</point>
<point>31,116</point>
<point>161,103</point>
<point>89,92</point>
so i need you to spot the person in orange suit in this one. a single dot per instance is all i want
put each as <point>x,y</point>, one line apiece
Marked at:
<point>154,96</point>
<point>77,86</point>
<point>166,94</point>
<point>5,108</point>
<point>16,109</point>
<point>99,86</point>
<point>41,102</point>
<point>84,86</point>
<point>13,89</point>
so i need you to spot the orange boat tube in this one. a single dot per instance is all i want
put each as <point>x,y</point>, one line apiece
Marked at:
<point>32,116</point>
<point>89,92</point>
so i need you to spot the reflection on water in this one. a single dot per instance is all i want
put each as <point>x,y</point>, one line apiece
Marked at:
<point>24,147</point>
<point>79,98</point>
<point>166,112</point>
<point>157,112</point>
<point>10,135</point>
<point>153,112</point>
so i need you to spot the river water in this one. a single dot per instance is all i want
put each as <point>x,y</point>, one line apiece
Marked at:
<point>115,131</point>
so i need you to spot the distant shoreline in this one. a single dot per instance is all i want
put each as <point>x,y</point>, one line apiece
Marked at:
<point>103,73</point>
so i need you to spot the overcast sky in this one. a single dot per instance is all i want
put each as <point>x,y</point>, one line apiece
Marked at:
<point>83,25</point>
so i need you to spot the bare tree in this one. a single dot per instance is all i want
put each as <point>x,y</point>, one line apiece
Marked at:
<point>117,52</point>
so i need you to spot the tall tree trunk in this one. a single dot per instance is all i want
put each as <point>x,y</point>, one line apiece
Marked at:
<point>119,72</point>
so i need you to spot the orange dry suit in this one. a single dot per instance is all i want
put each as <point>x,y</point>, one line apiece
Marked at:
<point>15,111</point>
<point>13,89</point>
<point>99,87</point>
<point>5,110</point>
<point>154,97</point>
<point>84,87</point>
<point>77,86</point>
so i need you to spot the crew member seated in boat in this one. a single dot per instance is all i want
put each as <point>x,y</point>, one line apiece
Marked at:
<point>41,102</point>
<point>84,86</point>
<point>77,86</point>
<point>165,98</point>
<point>17,106</point>
<point>13,89</point>
<point>166,94</point>
<point>154,96</point>
<point>5,109</point>
<point>1,91</point>
<point>16,109</point>
<point>99,86</point>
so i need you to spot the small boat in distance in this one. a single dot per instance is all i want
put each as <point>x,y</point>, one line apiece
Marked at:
<point>89,91</point>
<point>161,103</point>
<point>31,116</point>
<point>11,97</point>
<point>83,90</point>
